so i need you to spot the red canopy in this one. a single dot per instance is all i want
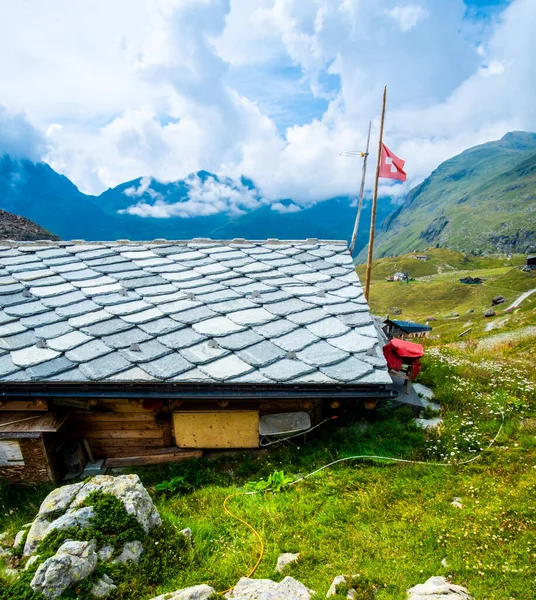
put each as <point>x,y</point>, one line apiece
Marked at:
<point>397,352</point>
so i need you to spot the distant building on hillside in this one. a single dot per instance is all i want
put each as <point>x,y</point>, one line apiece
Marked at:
<point>404,329</point>
<point>531,262</point>
<point>420,256</point>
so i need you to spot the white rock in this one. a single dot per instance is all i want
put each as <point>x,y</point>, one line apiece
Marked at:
<point>423,391</point>
<point>196,592</point>
<point>131,552</point>
<point>285,559</point>
<point>266,589</point>
<point>72,563</point>
<point>457,503</point>
<point>187,532</point>
<point>103,587</point>
<point>428,423</point>
<point>438,588</point>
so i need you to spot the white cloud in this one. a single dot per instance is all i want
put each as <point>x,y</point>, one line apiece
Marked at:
<point>285,208</point>
<point>205,196</point>
<point>143,88</point>
<point>407,16</point>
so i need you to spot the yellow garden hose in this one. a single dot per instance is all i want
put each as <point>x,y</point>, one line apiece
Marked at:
<point>358,457</point>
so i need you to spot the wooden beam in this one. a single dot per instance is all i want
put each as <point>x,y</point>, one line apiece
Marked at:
<point>153,459</point>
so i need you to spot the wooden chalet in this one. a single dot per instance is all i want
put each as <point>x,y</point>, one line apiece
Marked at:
<point>159,350</point>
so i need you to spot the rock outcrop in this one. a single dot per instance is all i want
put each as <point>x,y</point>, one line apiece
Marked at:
<point>63,509</point>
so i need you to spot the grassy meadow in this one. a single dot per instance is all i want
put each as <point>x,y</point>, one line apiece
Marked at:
<point>393,524</point>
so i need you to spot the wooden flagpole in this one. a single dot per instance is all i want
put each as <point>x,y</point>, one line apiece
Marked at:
<point>361,192</point>
<point>374,200</point>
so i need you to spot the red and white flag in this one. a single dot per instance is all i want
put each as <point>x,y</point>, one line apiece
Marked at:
<point>391,167</point>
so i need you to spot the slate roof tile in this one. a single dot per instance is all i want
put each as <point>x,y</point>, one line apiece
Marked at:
<point>261,354</point>
<point>28,357</point>
<point>347,370</point>
<point>286,369</point>
<point>226,368</point>
<point>256,302</point>
<point>321,354</point>
<point>49,368</point>
<point>88,351</point>
<point>352,342</point>
<point>194,315</point>
<point>295,340</point>
<point>203,353</point>
<point>105,367</point>
<point>47,332</point>
<point>7,366</point>
<point>238,341</point>
<point>160,326</point>
<point>275,328</point>
<point>11,328</point>
<point>149,350</point>
<point>68,341</point>
<point>63,299</point>
<point>18,341</point>
<point>108,327</point>
<point>123,339</point>
<point>167,366</point>
<point>41,319</point>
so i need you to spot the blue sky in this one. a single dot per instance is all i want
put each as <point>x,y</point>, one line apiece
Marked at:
<point>271,89</point>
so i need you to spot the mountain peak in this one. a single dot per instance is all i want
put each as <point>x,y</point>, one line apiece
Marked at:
<point>521,140</point>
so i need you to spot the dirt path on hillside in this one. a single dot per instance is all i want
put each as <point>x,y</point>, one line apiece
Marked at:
<point>508,336</point>
<point>519,300</point>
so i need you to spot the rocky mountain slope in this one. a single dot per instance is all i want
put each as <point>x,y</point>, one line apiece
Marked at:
<point>13,227</point>
<point>484,199</point>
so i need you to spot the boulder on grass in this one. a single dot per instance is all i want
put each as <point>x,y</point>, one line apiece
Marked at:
<point>498,300</point>
<point>438,588</point>
<point>489,313</point>
<point>196,592</point>
<point>72,562</point>
<point>266,589</point>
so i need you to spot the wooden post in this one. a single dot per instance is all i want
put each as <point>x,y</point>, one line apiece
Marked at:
<point>361,192</point>
<point>374,200</point>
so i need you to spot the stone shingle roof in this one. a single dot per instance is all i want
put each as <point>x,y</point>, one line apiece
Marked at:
<point>196,311</point>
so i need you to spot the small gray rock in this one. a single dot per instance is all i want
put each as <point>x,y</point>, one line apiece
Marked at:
<point>80,519</point>
<point>498,300</point>
<point>73,562</point>
<point>103,587</point>
<point>285,559</point>
<point>489,313</point>
<point>105,553</point>
<point>337,581</point>
<point>438,588</point>
<point>187,532</point>
<point>6,553</point>
<point>196,592</point>
<point>31,561</point>
<point>131,552</point>
<point>20,538</point>
<point>37,532</point>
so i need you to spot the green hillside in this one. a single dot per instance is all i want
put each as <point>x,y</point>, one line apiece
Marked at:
<point>436,292</point>
<point>482,200</point>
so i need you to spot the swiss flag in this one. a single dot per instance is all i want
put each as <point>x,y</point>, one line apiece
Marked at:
<point>391,167</point>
